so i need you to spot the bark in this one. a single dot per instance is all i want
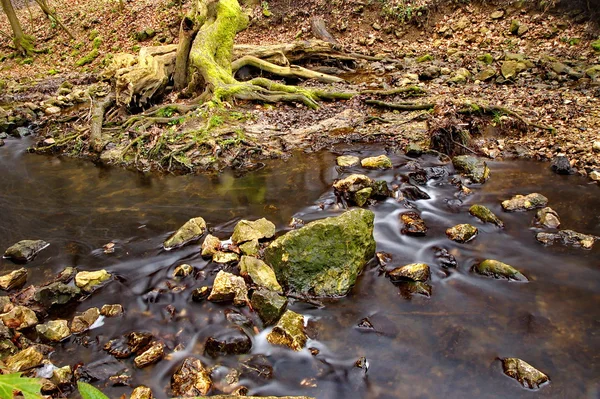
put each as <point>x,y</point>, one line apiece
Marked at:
<point>98,110</point>
<point>23,43</point>
<point>319,30</point>
<point>52,16</point>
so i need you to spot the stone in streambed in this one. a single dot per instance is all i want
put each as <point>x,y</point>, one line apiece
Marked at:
<point>19,317</point>
<point>227,287</point>
<point>525,202</point>
<point>24,360</point>
<point>85,320</point>
<point>183,270</point>
<point>54,330</point>
<point>561,165</point>
<point>269,305</point>
<point>141,392</point>
<point>547,217</point>
<point>410,288</point>
<point>25,250</point>
<point>250,248</point>
<point>56,294</point>
<point>414,193</point>
<point>111,310</point>
<point>150,356</point>
<point>568,238</point>
<point>412,272</point>
<point>228,341</point>
<point>474,168</point>
<point>62,375</point>
<point>260,273</point>
<point>192,230</point>
<point>347,161</point>
<point>326,256</point>
<point>497,269</point>
<point>462,233</point>
<point>412,224</point>
<point>356,188</point>
<point>14,279</point>
<point>88,281</point>
<point>289,331</point>
<point>525,373</point>
<point>246,230</point>
<point>210,246</point>
<point>485,215</point>
<point>225,257</point>
<point>379,162</point>
<point>361,196</point>
<point>191,379</point>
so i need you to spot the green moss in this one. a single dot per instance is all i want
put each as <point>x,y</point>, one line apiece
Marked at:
<point>93,34</point>
<point>425,58</point>
<point>486,58</point>
<point>27,61</point>
<point>595,45</point>
<point>97,42</point>
<point>88,58</point>
<point>53,72</point>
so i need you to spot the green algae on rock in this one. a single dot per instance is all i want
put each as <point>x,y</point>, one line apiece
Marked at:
<point>289,331</point>
<point>192,230</point>
<point>525,202</point>
<point>269,305</point>
<point>474,168</point>
<point>462,232</point>
<point>326,256</point>
<point>497,269</point>
<point>485,215</point>
<point>412,272</point>
<point>259,272</point>
<point>25,250</point>
<point>246,230</point>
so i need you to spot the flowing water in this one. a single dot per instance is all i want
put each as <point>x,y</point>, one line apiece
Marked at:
<point>446,345</point>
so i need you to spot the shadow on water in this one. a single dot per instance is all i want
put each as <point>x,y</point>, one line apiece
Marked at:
<point>445,345</point>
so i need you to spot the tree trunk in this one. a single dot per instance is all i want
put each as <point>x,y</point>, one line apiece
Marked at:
<point>23,43</point>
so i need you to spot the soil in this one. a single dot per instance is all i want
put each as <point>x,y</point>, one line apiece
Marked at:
<point>548,108</point>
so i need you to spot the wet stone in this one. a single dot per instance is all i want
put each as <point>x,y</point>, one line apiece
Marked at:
<point>412,272</point>
<point>418,177</point>
<point>526,374</point>
<point>56,294</point>
<point>250,248</point>
<point>525,202</point>
<point>62,375</point>
<point>88,281</point>
<point>54,330</point>
<point>227,287</point>
<point>353,183</point>
<point>414,150</point>
<point>84,321</point>
<point>462,233</point>
<point>192,230</point>
<point>210,246</point>
<point>412,224</point>
<point>485,215</point>
<point>225,257</point>
<point>237,318</point>
<point>25,250</point>
<point>474,168</point>
<point>112,310</point>
<point>14,279</point>
<point>152,355</point>
<point>246,230</point>
<point>289,331</point>
<point>546,217</point>
<point>362,196</point>
<point>568,238</point>
<point>182,271</point>
<point>414,193</point>
<point>379,162</point>
<point>445,258</point>
<point>347,161</point>
<point>561,165</point>
<point>410,288</point>
<point>229,341</point>
<point>191,379</point>
<point>138,341</point>
<point>269,305</point>
<point>381,190</point>
<point>257,366</point>
<point>25,360</point>
<point>200,294</point>
<point>118,348</point>
<point>19,317</point>
<point>259,272</point>
<point>497,269</point>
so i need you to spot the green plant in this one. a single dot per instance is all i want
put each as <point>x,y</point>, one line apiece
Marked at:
<point>265,9</point>
<point>166,112</point>
<point>215,121</point>
<point>89,392</point>
<point>29,387</point>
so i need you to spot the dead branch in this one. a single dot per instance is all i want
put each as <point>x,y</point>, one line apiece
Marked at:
<point>400,106</point>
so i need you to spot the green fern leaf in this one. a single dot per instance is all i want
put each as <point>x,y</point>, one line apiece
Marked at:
<point>87,391</point>
<point>29,387</point>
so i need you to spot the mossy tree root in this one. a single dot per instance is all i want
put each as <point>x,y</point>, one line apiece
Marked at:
<point>292,71</point>
<point>401,106</point>
<point>98,110</point>
<point>492,109</point>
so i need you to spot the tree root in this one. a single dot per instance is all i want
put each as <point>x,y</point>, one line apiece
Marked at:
<point>494,108</point>
<point>134,141</point>
<point>292,71</point>
<point>392,92</point>
<point>401,106</point>
<point>97,113</point>
<point>57,143</point>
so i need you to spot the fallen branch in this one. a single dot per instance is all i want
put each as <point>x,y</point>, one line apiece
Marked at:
<point>400,106</point>
<point>393,92</point>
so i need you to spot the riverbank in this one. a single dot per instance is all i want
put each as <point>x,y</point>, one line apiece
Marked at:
<point>500,80</point>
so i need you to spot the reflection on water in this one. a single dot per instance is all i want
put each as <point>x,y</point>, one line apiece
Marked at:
<point>443,346</point>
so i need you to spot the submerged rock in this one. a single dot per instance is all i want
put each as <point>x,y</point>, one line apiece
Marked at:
<point>192,230</point>
<point>474,168</point>
<point>289,331</point>
<point>111,310</point>
<point>445,258</point>
<point>183,271</point>
<point>210,246</point>
<point>228,341</point>
<point>25,250</point>
<point>525,202</point>
<point>379,162</point>
<point>257,230</point>
<point>191,379</point>
<point>347,161</point>
<point>88,281</point>
<point>14,279</point>
<point>355,189</point>
<point>200,294</point>
<point>414,193</point>
<point>19,317</point>
<point>410,288</point>
<point>497,269</point>
<point>85,320</point>
<point>260,273</point>
<point>227,287</point>
<point>150,356</point>
<point>568,238</point>
<point>412,224</point>
<point>547,217</point>
<point>485,215</point>
<point>326,256</point>
<point>269,305</point>
<point>462,233</point>
<point>54,330</point>
<point>56,294</point>
<point>525,373</point>
<point>412,272</point>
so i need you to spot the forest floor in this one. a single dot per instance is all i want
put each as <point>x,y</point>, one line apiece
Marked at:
<point>503,79</point>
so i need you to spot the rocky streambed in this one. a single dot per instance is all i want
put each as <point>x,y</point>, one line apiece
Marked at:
<point>375,275</point>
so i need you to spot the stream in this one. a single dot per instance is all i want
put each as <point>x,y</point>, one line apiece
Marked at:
<point>443,346</point>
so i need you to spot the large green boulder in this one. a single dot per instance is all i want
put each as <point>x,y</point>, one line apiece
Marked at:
<point>324,257</point>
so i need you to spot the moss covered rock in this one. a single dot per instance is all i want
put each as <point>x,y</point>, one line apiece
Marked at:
<point>497,269</point>
<point>289,331</point>
<point>379,162</point>
<point>412,272</point>
<point>246,230</point>
<point>525,202</point>
<point>474,168</point>
<point>324,257</point>
<point>269,305</point>
<point>485,215</point>
<point>260,273</point>
<point>54,330</point>
<point>25,250</point>
<point>462,232</point>
<point>192,230</point>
